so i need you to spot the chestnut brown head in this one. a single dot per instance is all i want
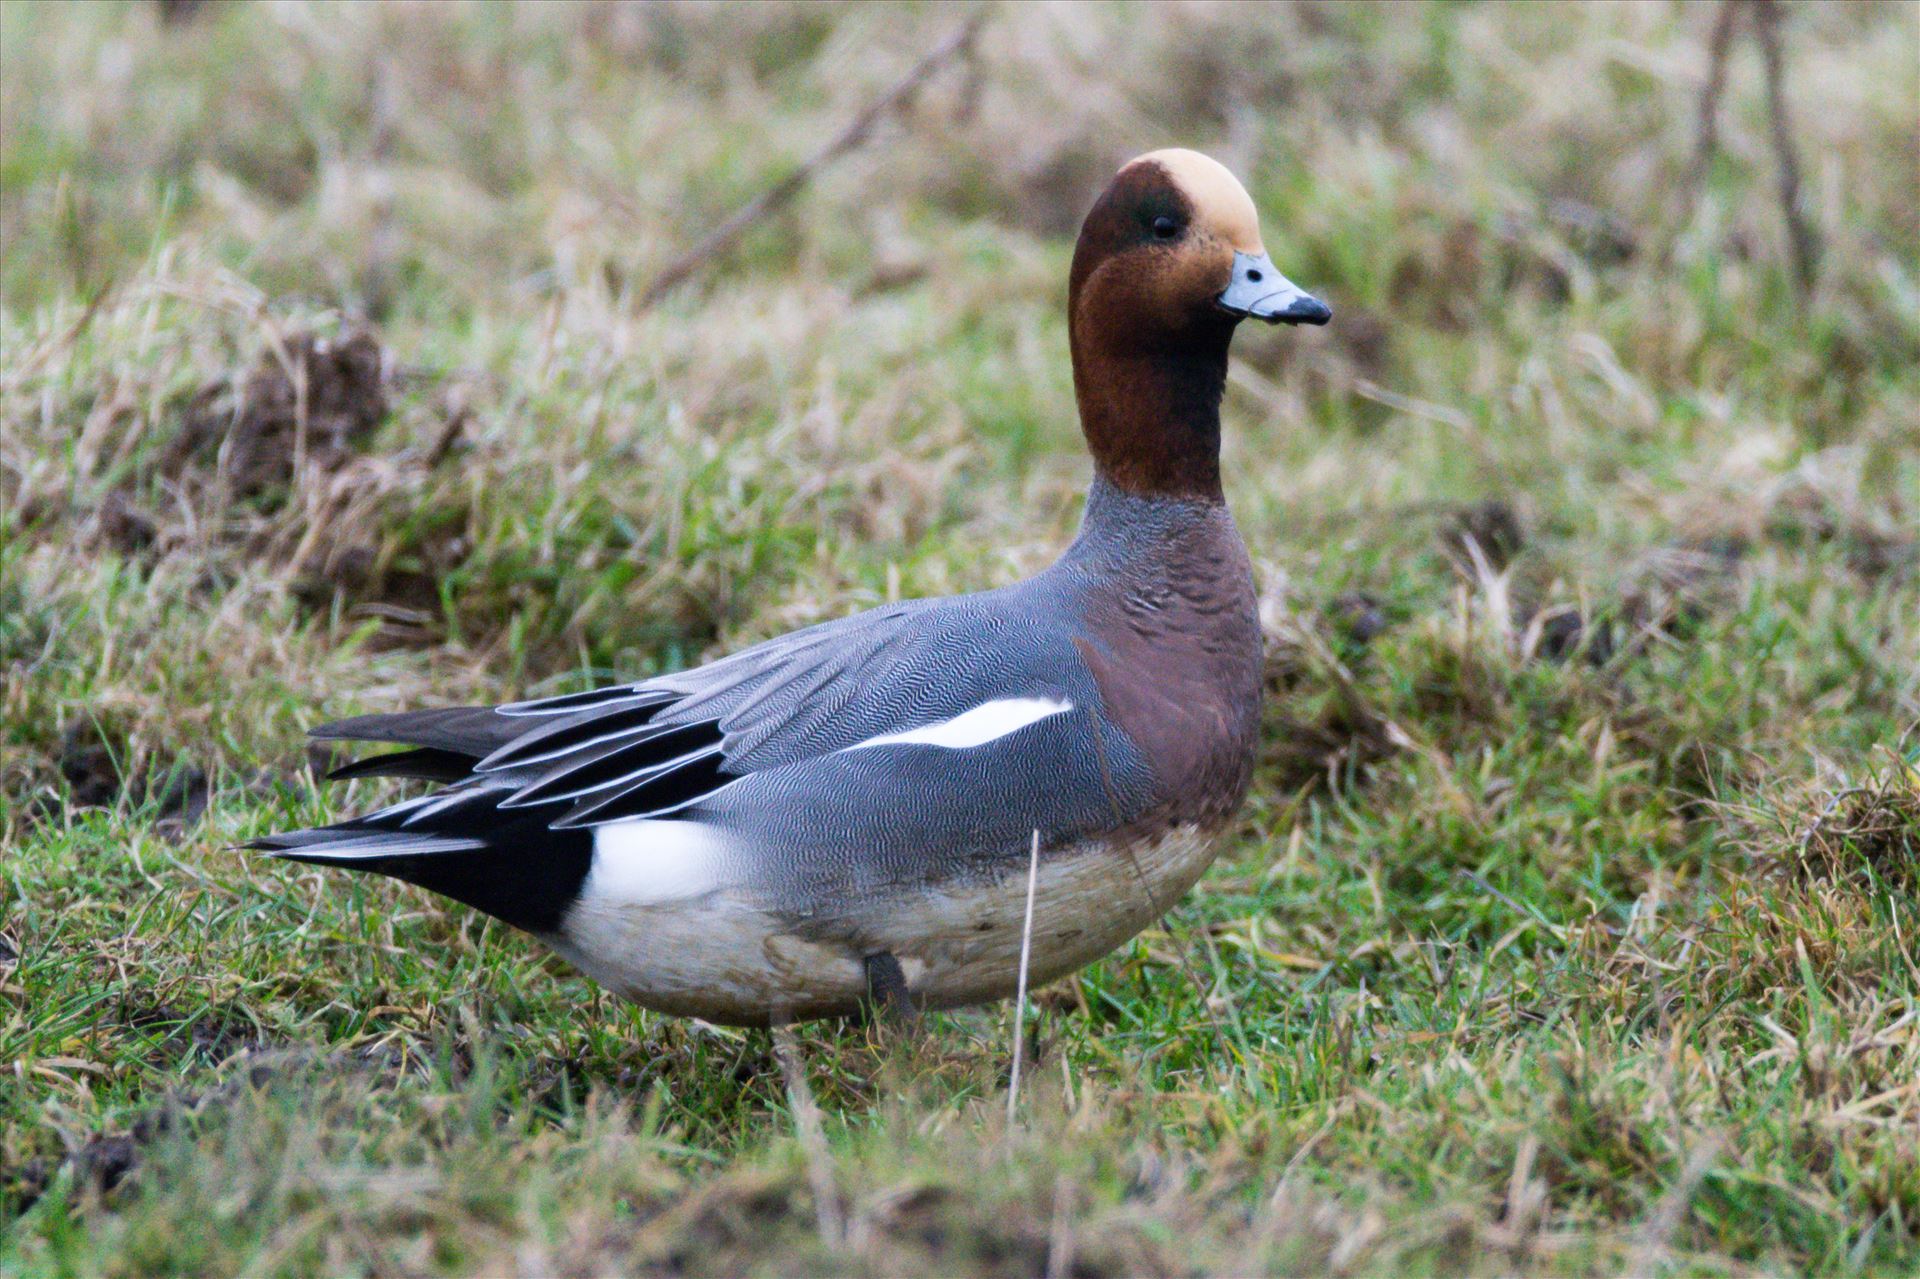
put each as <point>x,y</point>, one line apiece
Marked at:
<point>1173,245</point>
<point>1169,260</point>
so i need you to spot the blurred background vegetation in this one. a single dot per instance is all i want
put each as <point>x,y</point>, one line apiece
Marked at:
<point>1571,926</point>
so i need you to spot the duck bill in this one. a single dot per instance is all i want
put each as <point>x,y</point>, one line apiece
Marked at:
<point>1260,292</point>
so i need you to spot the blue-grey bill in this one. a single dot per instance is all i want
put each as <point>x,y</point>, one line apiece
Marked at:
<point>1259,291</point>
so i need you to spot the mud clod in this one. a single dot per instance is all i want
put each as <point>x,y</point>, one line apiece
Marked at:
<point>212,1037</point>
<point>100,771</point>
<point>105,1161</point>
<point>124,527</point>
<point>1357,616</point>
<point>87,765</point>
<point>1566,633</point>
<point>1876,826</point>
<point>1599,236</point>
<point>315,398</point>
<point>1491,528</point>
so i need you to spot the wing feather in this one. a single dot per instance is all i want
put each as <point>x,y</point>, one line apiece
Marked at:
<point>473,731</point>
<point>556,738</point>
<point>639,750</point>
<point>427,763</point>
<point>615,764</point>
<point>672,786</point>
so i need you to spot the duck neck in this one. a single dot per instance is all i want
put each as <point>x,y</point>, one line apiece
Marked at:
<point>1137,536</point>
<point>1151,410</point>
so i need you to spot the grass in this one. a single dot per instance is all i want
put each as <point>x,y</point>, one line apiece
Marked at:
<point>1573,925</point>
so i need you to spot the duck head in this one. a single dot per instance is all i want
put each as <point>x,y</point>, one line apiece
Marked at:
<point>1168,262</point>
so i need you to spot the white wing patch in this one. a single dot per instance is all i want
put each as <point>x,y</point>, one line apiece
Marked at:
<point>985,723</point>
<point>650,860</point>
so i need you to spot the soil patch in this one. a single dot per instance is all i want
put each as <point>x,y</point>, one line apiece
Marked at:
<point>309,401</point>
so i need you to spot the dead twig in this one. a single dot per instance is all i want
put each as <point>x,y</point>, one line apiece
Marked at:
<point>1708,137</point>
<point>1671,1211</point>
<point>722,237</point>
<point>450,432</point>
<point>1801,239</point>
<point>378,273</point>
<point>1020,999</point>
<point>813,1138</point>
<point>1060,1234</point>
<point>35,358</point>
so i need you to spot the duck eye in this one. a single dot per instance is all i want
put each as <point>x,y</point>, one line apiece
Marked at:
<point>1165,228</point>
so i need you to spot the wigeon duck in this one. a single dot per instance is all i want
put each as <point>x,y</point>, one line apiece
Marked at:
<point>843,816</point>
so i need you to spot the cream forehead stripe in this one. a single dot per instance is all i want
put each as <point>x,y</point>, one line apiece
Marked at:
<point>1218,198</point>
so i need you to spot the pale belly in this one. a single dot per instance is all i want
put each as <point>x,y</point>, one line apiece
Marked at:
<point>717,957</point>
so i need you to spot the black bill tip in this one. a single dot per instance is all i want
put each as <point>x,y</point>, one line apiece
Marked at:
<point>1302,309</point>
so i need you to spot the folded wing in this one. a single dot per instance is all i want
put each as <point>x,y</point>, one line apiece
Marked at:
<point>653,748</point>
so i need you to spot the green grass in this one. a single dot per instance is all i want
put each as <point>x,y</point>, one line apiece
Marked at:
<point>1573,925</point>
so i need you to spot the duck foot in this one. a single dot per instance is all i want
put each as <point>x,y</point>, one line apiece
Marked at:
<point>887,994</point>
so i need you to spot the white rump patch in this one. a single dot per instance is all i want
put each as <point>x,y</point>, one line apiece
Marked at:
<point>650,860</point>
<point>987,722</point>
